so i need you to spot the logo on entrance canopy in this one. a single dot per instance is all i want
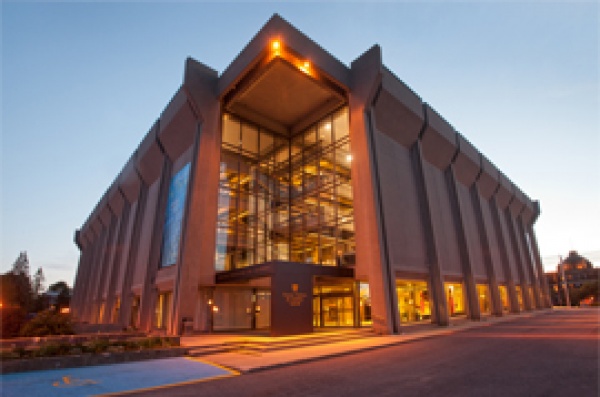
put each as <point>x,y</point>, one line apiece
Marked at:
<point>294,298</point>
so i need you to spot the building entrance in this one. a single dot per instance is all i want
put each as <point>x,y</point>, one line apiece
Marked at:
<point>338,303</point>
<point>334,311</point>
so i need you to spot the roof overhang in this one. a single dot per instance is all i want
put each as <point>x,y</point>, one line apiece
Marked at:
<point>283,96</point>
<point>283,81</point>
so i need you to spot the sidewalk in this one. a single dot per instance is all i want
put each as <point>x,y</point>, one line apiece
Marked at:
<point>246,361</point>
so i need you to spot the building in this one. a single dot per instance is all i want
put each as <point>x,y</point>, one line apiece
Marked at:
<point>291,192</point>
<point>572,273</point>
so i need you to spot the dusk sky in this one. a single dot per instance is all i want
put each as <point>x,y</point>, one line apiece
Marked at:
<point>82,83</point>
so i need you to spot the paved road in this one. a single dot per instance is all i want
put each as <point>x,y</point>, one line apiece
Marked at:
<point>554,354</point>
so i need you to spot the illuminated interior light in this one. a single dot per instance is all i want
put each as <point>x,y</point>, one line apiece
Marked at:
<point>276,45</point>
<point>305,67</point>
<point>349,158</point>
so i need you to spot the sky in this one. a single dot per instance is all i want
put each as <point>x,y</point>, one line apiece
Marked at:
<point>82,83</point>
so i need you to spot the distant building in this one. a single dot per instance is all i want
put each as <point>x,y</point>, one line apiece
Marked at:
<point>575,271</point>
<point>292,191</point>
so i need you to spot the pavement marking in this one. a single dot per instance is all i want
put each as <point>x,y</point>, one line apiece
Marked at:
<point>112,380</point>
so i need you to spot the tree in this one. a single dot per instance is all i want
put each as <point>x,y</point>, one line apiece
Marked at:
<point>64,293</point>
<point>21,265</point>
<point>37,282</point>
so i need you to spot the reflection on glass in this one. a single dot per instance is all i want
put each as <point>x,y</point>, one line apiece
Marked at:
<point>456,298</point>
<point>483,295</point>
<point>520,297</point>
<point>504,298</point>
<point>413,300</point>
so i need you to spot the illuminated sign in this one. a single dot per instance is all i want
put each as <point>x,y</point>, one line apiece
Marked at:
<point>294,298</point>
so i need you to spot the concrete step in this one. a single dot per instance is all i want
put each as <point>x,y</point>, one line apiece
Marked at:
<point>258,345</point>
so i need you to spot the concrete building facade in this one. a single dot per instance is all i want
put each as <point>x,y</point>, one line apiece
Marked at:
<point>291,192</point>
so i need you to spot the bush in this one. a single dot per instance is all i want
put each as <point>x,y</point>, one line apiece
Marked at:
<point>97,346</point>
<point>54,349</point>
<point>48,323</point>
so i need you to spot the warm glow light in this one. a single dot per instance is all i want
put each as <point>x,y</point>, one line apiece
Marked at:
<point>305,67</point>
<point>1,305</point>
<point>275,45</point>
<point>349,158</point>
<point>65,310</point>
<point>216,309</point>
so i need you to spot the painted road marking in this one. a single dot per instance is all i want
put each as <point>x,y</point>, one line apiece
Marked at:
<point>111,379</point>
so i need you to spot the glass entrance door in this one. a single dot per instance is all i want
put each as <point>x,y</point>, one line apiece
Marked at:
<point>333,311</point>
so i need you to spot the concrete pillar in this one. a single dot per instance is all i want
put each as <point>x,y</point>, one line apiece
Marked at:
<point>193,120</point>
<point>441,315</point>
<point>513,244</point>
<point>528,263</point>
<point>496,302</point>
<point>512,292</point>
<point>545,291</point>
<point>149,291</point>
<point>371,246</point>
<point>134,190</point>
<point>121,209</point>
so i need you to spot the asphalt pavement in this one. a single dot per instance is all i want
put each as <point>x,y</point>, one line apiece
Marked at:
<point>550,353</point>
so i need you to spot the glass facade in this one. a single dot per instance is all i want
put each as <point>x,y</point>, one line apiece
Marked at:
<point>333,304</point>
<point>520,297</point>
<point>365,304</point>
<point>232,309</point>
<point>504,298</point>
<point>456,298</point>
<point>282,198</point>
<point>413,300</point>
<point>483,296</point>
<point>162,309</point>
<point>174,216</point>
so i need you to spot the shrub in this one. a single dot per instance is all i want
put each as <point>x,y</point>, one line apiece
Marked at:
<point>54,349</point>
<point>48,323</point>
<point>97,346</point>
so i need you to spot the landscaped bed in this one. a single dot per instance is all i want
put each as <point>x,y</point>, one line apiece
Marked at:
<point>79,351</point>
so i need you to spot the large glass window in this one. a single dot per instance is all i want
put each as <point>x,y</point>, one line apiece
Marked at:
<point>504,298</point>
<point>483,296</point>
<point>286,199</point>
<point>456,298</point>
<point>520,297</point>
<point>174,216</point>
<point>413,300</point>
<point>232,309</point>
<point>162,309</point>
